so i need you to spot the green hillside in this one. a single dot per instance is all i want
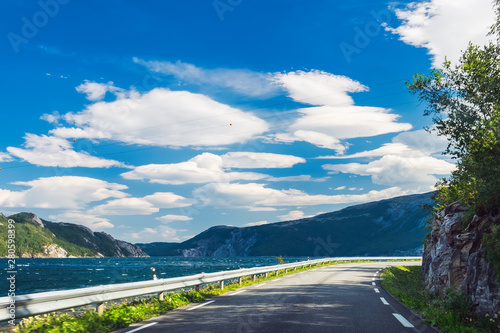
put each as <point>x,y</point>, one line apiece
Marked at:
<point>35,235</point>
<point>31,239</point>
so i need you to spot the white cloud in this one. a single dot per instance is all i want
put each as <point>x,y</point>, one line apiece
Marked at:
<point>161,233</point>
<point>409,144</point>
<point>340,188</point>
<point>336,117</point>
<point>423,141</point>
<point>257,195</point>
<point>52,118</point>
<point>241,81</point>
<point>407,161</point>
<point>168,200</point>
<point>207,167</point>
<point>411,173</point>
<point>348,122</point>
<point>170,218</point>
<point>292,215</point>
<point>445,27</point>
<point>316,138</point>
<point>162,117</point>
<point>262,209</point>
<point>301,178</point>
<point>96,91</point>
<point>66,192</point>
<point>250,160</point>
<point>90,221</point>
<point>81,133</point>
<point>203,168</point>
<point>253,224</point>
<point>399,149</point>
<point>125,206</point>
<point>141,206</point>
<point>52,151</point>
<point>319,88</point>
<point>4,157</point>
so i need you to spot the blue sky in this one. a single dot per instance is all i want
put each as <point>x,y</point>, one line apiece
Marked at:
<point>155,120</point>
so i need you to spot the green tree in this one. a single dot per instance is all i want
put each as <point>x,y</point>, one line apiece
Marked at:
<point>495,28</point>
<point>464,102</point>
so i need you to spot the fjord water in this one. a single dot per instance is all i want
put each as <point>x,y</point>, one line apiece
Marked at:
<point>38,275</point>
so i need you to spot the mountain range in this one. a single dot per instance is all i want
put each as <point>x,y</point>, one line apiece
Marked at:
<point>387,227</point>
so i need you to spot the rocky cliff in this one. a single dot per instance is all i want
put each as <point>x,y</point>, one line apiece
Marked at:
<point>50,251</point>
<point>215,245</point>
<point>455,258</point>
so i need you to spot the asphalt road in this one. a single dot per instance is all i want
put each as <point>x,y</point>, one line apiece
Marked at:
<point>340,298</point>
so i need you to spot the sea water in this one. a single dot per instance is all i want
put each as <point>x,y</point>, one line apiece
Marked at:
<point>38,275</point>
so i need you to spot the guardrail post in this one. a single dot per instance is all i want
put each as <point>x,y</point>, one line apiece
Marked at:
<point>161,296</point>
<point>240,280</point>
<point>286,270</point>
<point>197,287</point>
<point>276,273</point>
<point>100,308</point>
<point>295,268</point>
<point>221,285</point>
<point>266,274</point>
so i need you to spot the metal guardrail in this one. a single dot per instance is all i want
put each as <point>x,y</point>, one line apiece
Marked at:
<point>46,302</point>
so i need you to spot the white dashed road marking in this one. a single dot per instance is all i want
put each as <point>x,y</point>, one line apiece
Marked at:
<point>402,320</point>
<point>199,306</point>
<point>260,285</point>
<point>238,292</point>
<point>376,290</point>
<point>384,301</point>
<point>142,327</point>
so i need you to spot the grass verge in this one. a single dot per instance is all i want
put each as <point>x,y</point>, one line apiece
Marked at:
<point>450,311</point>
<point>122,315</point>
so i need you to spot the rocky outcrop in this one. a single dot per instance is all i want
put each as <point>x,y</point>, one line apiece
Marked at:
<point>52,251</point>
<point>130,250</point>
<point>37,221</point>
<point>454,258</point>
<point>49,251</point>
<point>234,246</point>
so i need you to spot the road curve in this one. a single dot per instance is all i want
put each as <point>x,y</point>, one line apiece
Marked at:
<point>339,298</point>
